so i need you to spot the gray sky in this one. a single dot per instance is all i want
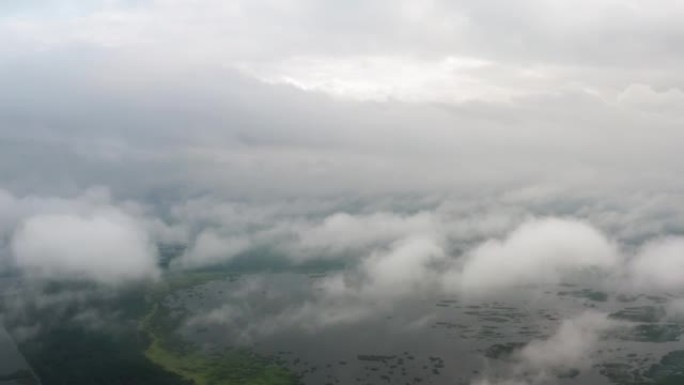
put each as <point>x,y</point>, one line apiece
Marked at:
<point>382,109</point>
<point>318,97</point>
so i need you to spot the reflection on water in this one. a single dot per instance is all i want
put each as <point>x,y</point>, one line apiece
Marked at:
<point>330,336</point>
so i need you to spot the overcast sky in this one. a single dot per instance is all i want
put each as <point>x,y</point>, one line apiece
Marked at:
<point>322,97</point>
<point>163,117</point>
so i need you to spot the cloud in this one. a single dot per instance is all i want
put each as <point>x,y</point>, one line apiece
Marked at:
<point>675,309</point>
<point>541,252</point>
<point>377,283</point>
<point>227,230</point>
<point>569,348</point>
<point>409,266</point>
<point>467,250</point>
<point>456,105</point>
<point>644,97</point>
<point>538,252</point>
<point>342,233</point>
<point>283,306</point>
<point>107,246</point>
<point>86,236</point>
<point>656,266</point>
<point>450,78</point>
<point>210,248</point>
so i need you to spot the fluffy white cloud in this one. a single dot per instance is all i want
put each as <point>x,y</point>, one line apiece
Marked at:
<point>411,265</point>
<point>228,230</point>
<point>342,232</point>
<point>570,347</point>
<point>466,251</point>
<point>658,266</point>
<point>210,247</point>
<point>544,251</point>
<point>82,236</point>
<point>106,246</point>
<point>571,344</point>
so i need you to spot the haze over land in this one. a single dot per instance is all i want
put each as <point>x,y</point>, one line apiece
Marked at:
<point>491,153</point>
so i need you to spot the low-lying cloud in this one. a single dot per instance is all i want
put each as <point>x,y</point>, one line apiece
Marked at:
<point>87,236</point>
<point>569,348</point>
<point>658,266</point>
<point>469,248</point>
<point>539,252</point>
<point>106,246</point>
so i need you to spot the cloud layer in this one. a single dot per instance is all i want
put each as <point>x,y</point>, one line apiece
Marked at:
<point>162,98</point>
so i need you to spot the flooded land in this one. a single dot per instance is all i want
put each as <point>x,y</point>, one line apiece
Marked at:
<point>287,328</point>
<point>329,338</point>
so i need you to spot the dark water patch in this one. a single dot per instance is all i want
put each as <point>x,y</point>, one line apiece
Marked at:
<point>655,332</point>
<point>625,298</point>
<point>645,314</point>
<point>568,373</point>
<point>621,373</point>
<point>375,358</point>
<point>265,259</point>
<point>592,295</point>
<point>504,350</point>
<point>657,299</point>
<point>168,253</point>
<point>670,369</point>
